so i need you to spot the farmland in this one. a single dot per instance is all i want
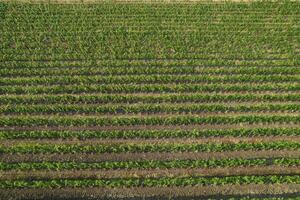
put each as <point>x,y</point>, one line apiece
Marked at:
<point>149,100</point>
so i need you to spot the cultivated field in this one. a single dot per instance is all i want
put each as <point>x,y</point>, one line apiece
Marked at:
<point>151,100</point>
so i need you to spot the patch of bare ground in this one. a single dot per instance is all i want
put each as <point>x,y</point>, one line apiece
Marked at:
<point>158,192</point>
<point>99,157</point>
<point>147,173</point>
<point>152,127</point>
<point>156,141</point>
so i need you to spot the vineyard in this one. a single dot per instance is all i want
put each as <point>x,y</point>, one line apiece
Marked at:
<point>149,100</point>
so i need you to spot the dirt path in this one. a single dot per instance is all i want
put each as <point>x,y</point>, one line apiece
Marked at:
<point>188,191</point>
<point>158,141</point>
<point>149,173</point>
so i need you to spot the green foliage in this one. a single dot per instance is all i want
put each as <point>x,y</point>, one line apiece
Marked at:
<point>151,164</point>
<point>131,98</point>
<point>150,182</point>
<point>209,147</point>
<point>127,121</point>
<point>150,133</point>
<point>144,108</point>
<point>3,8</point>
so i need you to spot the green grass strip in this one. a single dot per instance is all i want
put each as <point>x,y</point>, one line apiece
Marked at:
<point>149,133</point>
<point>127,121</point>
<point>151,164</point>
<point>150,182</point>
<point>209,147</point>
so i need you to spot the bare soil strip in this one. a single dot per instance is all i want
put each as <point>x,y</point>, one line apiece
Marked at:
<point>150,127</point>
<point>158,192</point>
<point>159,141</point>
<point>149,173</point>
<point>99,157</point>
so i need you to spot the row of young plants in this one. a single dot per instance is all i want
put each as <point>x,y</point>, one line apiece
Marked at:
<point>138,7</point>
<point>244,132</point>
<point>224,53</point>
<point>150,88</point>
<point>144,108</point>
<point>164,20</point>
<point>151,182</point>
<point>83,53</point>
<point>182,63</point>
<point>143,27</point>
<point>111,79</point>
<point>138,39</point>
<point>87,19</point>
<point>32,121</point>
<point>133,98</point>
<point>82,50</point>
<point>150,164</point>
<point>159,10</point>
<point>65,43</point>
<point>140,70</point>
<point>208,24</point>
<point>139,148</point>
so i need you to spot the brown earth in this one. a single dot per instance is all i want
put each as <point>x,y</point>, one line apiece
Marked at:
<point>147,173</point>
<point>156,141</point>
<point>158,192</point>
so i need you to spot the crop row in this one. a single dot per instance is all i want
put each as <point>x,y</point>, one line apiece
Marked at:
<point>98,79</point>
<point>158,63</point>
<point>156,12</point>
<point>131,98</point>
<point>56,53</point>
<point>144,108</point>
<point>204,56</point>
<point>137,148</point>
<point>133,70</point>
<point>213,31</point>
<point>150,182</point>
<point>148,88</point>
<point>128,121</point>
<point>174,42</point>
<point>151,164</point>
<point>151,20</point>
<point>150,133</point>
<point>79,48</point>
<point>208,24</point>
<point>118,49</point>
<point>163,27</point>
<point>227,19</point>
<point>105,24</point>
<point>140,7</point>
<point>138,42</point>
